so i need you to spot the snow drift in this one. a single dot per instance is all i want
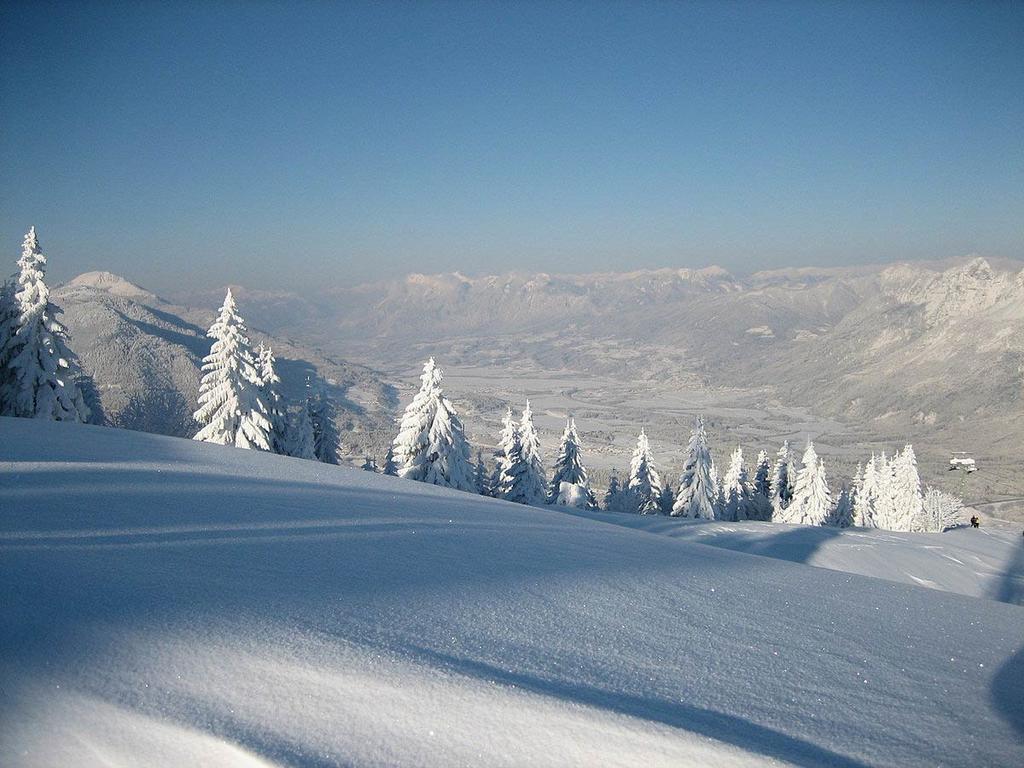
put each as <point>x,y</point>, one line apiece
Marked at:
<point>169,602</point>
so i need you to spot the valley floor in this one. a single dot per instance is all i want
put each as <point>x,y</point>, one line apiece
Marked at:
<point>170,603</point>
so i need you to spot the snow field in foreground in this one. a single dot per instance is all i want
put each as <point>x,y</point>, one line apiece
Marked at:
<point>167,602</point>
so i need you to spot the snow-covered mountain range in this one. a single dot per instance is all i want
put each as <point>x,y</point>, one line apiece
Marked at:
<point>930,352</point>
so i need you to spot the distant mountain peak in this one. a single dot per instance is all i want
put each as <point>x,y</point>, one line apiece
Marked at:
<point>111,283</point>
<point>957,293</point>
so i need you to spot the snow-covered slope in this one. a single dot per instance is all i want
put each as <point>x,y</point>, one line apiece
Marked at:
<point>988,562</point>
<point>169,603</point>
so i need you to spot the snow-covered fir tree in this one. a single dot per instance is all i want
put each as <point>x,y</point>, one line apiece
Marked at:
<point>716,483</point>
<point>513,484</point>
<point>644,482</point>
<point>231,409</point>
<point>611,496</point>
<point>481,477</point>
<point>270,384</point>
<point>887,494</point>
<point>301,443</point>
<point>811,503</point>
<point>865,485</point>
<point>569,470</point>
<point>535,479</point>
<point>508,435</point>
<point>782,481</point>
<point>40,376</point>
<point>907,495</point>
<point>736,490</point>
<point>884,507</point>
<point>942,511</point>
<point>697,494</point>
<point>390,467</point>
<point>322,413</point>
<point>761,497</point>
<point>369,464</point>
<point>431,444</point>
<point>842,511</point>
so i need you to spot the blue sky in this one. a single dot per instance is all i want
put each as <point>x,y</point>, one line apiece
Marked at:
<point>300,145</point>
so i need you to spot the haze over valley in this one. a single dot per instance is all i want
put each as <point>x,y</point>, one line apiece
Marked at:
<point>859,359</point>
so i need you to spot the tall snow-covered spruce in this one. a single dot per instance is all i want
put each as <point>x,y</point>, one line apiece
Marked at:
<point>782,479</point>
<point>569,483</point>
<point>512,468</point>
<point>697,492</point>
<point>910,515</point>
<point>231,409</point>
<point>812,502</point>
<point>885,511</point>
<point>761,498</point>
<point>431,445</point>
<point>40,374</point>
<point>535,478</point>
<point>270,382</point>
<point>865,486</point>
<point>507,439</point>
<point>644,484</point>
<point>736,490</point>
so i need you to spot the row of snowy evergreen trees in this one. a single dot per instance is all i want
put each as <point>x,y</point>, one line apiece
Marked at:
<point>240,402</point>
<point>431,447</point>
<point>39,375</point>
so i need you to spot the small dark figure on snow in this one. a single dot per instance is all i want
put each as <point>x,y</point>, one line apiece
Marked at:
<point>975,523</point>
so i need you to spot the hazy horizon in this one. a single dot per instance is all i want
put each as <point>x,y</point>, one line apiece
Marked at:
<point>279,147</point>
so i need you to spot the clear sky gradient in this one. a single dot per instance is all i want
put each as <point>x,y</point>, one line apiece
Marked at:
<point>298,145</point>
